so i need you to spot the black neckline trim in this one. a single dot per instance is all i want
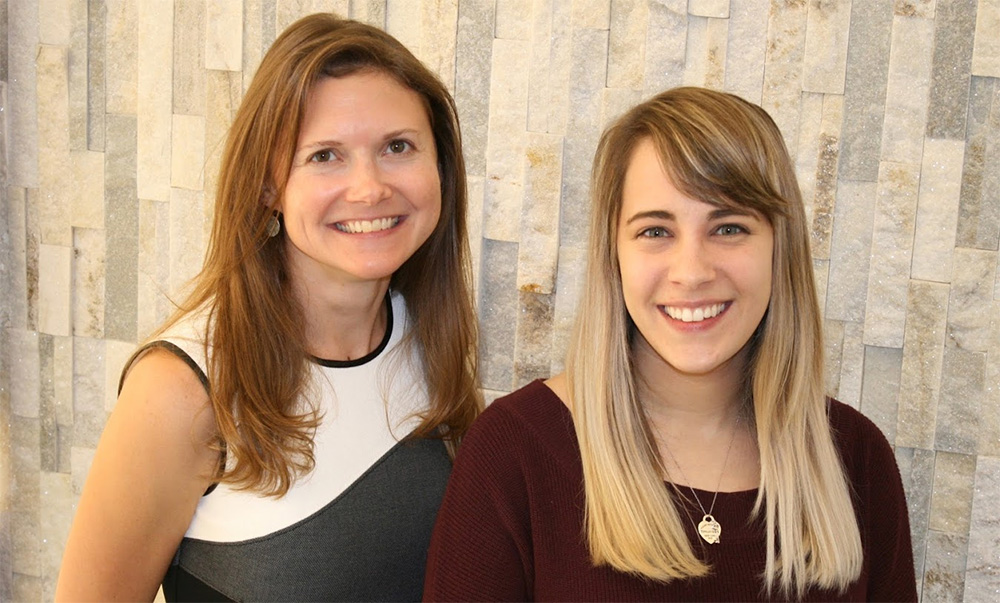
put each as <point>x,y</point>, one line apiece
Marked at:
<point>370,355</point>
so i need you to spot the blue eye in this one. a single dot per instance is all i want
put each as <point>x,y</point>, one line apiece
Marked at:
<point>654,232</point>
<point>398,146</point>
<point>730,229</point>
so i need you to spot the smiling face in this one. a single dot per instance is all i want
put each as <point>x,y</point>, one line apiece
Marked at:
<point>696,278</point>
<point>363,193</point>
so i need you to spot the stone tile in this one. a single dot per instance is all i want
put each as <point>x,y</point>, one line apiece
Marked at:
<point>32,240</point>
<point>746,51</point>
<point>53,146</point>
<point>916,468</point>
<point>153,101</point>
<point>54,289</point>
<point>437,46</point>
<point>914,8</point>
<point>709,8</point>
<point>371,12</point>
<point>986,50</point>
<point>16,298</point>
<point>706,52</point>
<point>923,344</point>
<point>951,499</point>
<point>891,251</point>
<point>187,243</point>
<point>971,290</point>
<point>88,282</point>
<point>253,37</point>
<point>56,516</point>
<point>949,94</point>
<point>153,264</point>
<point>944,567</point>
<point>783,65</point>
<point>474,59</point>
<point>569,289</point>
<point>591,14</point>
<point>27,544</point>
<point>88,394</point>
<point>289,11</point>
<point>474,226</point>
<point>824,65</point>
<point>22,360</point>
<point>87,209</point>
<point>81,460</point>
<point>223,92</point>
<point>865,89</point>
<point>498,314</point>
<point>962,391</point>
<point>852,363</point>
<point>187,148</point>
<point>78,74</point>
<point>224,35</point>
<point>117,354</point>
<point>188,80</point>
<point>615,102</point>
<point>97,21</point>
<point>27,588</point>
<point>666,32</point>
<point>491,395</point>
<point>6,546</point>
<point>807,161</point>
<point>979,207</point>
<point>121,219</point>
<point>54,22</point>
<point>982,571</point>
<point>989,440</point>
<point>880,387</point>
<point>538,251</point>
<point>907,90</point>
<point>821,274</point>
<point>65,443</point>
<point>850,251</point>
<point>513,20</point>
<point>22,93</point>
<point>48,430</point>
<point>533,343</point>
<point>627,43</point>
<point>121,56</point>
<point>62,379</point>
<point>937,210</point>
<point>833,342</point>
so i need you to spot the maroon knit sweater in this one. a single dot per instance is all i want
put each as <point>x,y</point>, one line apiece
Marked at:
<point>511,525</point>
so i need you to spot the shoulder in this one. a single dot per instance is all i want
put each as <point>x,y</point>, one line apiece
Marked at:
<point>863,447</point>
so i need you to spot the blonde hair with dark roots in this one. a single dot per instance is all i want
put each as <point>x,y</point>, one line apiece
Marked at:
<point>258,366</point>
<point>728,152</point>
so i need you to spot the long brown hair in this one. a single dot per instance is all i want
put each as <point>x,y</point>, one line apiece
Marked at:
<point>725,151</point>
<point>257,362</point>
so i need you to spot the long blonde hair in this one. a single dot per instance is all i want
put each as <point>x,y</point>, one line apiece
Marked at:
<point>258,365</point>
<point>723,150</point>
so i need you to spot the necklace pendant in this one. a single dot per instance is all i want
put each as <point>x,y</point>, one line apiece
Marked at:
<point>710,529</point>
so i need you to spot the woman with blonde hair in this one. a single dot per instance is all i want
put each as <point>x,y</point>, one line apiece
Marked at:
<point>688,452</point>
<point>286,435</point>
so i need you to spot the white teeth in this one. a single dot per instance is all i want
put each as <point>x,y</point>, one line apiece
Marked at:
<point>356,226</point>
<point>696,314</point>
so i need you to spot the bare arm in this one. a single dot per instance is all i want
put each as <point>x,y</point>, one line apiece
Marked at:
<point>153,463</point>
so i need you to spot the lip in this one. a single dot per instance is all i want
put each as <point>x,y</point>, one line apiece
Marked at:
<point>368,226</point>
<point>695,315</point>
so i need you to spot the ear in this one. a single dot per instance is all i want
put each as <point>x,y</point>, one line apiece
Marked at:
<point>269,198</point>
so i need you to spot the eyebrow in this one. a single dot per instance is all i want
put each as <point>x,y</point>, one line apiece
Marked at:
<point>660,214</point>
<point>320,144</point>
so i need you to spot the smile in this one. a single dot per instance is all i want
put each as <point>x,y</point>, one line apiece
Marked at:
<point>362,226</point>
<point>694,314</point>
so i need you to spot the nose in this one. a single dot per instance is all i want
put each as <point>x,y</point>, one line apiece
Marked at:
<point>691,263</point>
<point>367,183</point>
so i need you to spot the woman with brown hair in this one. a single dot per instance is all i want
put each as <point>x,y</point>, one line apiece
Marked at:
<point>286,435</point>
<point>688,452</point>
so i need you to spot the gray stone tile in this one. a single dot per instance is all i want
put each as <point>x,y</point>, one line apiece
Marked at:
<point>22,93</point>
<point>666,33</point>
<point>821,274</point>
<point>498,314</point>
<point>491,395</point>
<point>865,89</point>
<point>944,567</point>
<point>549,79</point>
<point>569,289</point>
<point>154,263</point>
<point>850,251</point>
<point>78,74</point>
<point>96,73</point>
<point>627,43</point>
<point>121,41</point>
<point>989,441</point>
<point>32,243</point>
<point>224,90</point>
<point>16,235</point>
<point>852,362</point>
<point>56,517</point>
<point>6,545</point>
<point>986,51</point>
<point>27,588</point>
<point>474,58</point>
<point>539,246</point>
<point>971,290</point>
<point>914,8</point>
<point>49,442</point>
<point>979,207</point>
<point>55,186</point>
<point>828,27</point>
<point>474,226</point>
<point>960,407</point>
<point>62,379</point>
<point>22,351</point>
<point>189,87</point>
<point>88,282</point>
<point>982,571</point>
<point>533,343</point>
<point>746,51</point>
<point>937,210</point>
<point>786,33</point>
<point>923,345</point>
<point>121,216</point>
<point>833,341</point>
<point>80,459</point>
<point>954,20</point>
<point>880,388</point>
<point>916,468</point>
<point>951,500</point>
<point>3,51</point>
<point>907,89</point>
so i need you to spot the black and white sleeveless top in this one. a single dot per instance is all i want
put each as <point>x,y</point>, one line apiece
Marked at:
<point>354,529</point>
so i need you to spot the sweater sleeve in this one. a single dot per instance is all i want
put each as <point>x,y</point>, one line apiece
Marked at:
<point>481,546</point>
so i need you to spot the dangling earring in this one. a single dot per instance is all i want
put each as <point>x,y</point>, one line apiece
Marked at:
<point>273,225</point>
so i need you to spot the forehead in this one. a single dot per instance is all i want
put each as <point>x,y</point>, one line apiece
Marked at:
<point>367,93</point>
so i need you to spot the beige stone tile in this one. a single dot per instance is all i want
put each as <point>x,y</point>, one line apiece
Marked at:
<point>937,210</point>
<point>27,588</point>
<point>55,300</point>
<point>850,250</point>
<point>22,93</point>
<point>807,161</point>
<point>916,468</point>
<point>666,33</point>
<point>474,226</point>
<point>79,71</point>
<point>852,365</point>
<point>923,345</point>
<point>187,147</point>
<point>833,343</point>
<point>569,288</point>
<point>951,500</point>
<point>88,282</point>
<point>22,360</point>
<point>62,380</point>
<point>223,91</point>
<point>615,102</point>
<point>989,440</point>
<point>786,33</point>
<point>154,265</point>
<point>986,49</point>
<point>54,23</point>
<point>96,24</point>
<point>910,61</point>
<point>289,11</point>
<point>821,273</point>
<point>627,43</point>
<point>474,57</point>
<point>81,460</point>
<point>187,243</point>
<point>188,78</point>
<point>88,391</point>
<point>53,146</point>
<point>746,50</point>
<point>371,12</point>
<point>706,52</point>
<point>539,245</point>
<point>439,22</point>
<point>880,387</point>
<point>56,517</point>
<point>153,101</point>
<point>533,343</point>
<point>944,566</point>
<point>961,404</point>
<point>253,38</point>
<point>825,61</point>
<point>117,354</point>
<point>892,249</point>
<point>224,35</point>
<point>971,291</point>
<point>17,288</point>
<point>550,58</point>
<point>513,20</point>
<point>709,8</point>
<point>591,14</point>
<point>982,571</point>
<point>121,56</point>
<point>88,189</point>
<point>915,8</point>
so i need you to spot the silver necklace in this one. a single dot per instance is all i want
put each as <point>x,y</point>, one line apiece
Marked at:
<point>709,529</point>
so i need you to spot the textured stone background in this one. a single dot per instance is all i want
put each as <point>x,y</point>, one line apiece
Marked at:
<point>112,113</point>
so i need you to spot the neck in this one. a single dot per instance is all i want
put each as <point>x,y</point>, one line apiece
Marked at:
<point>343,321</point>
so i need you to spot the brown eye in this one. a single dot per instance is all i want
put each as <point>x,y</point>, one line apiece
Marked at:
<point>321,156</point>
<point>398,146</point>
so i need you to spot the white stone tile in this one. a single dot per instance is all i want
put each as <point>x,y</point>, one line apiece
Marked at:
<point>937,210</point>
<point>224,35</point>
<point>850,251</point>
<point>910,63</point>
<point>666,33</point>
<point>852,365</point>
<point>121,56</point>
<point>551,61</point>
<point>892,248</point>
<point>55,300</point>
<point>986,50</point>
<point>591,14</point>
<point>513,20</point>
<point>187,162</point>
<point>506,143</point>
<point>117,354</point>
<point>569,288</point>
<point>21,350</point>
<point>88,189</point>
<point>53,146</point>
<point>153,102</point>
<point>982,576</point>
<point>786,34</point>
<point>62,379</point>
<point>923,347</point>
<point>439,22</point>
<point>187,245</point>
<point>627,43</point>
<point>56,518</point>
<point>951,500</point>
<point>709,8</point>
<point>538,251</point>
<point>971,291</point>
<point>825,62</point>
<point>706,52</point>
<point>747,46</point>
<point>22,93</point>
<point>54,22</point>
